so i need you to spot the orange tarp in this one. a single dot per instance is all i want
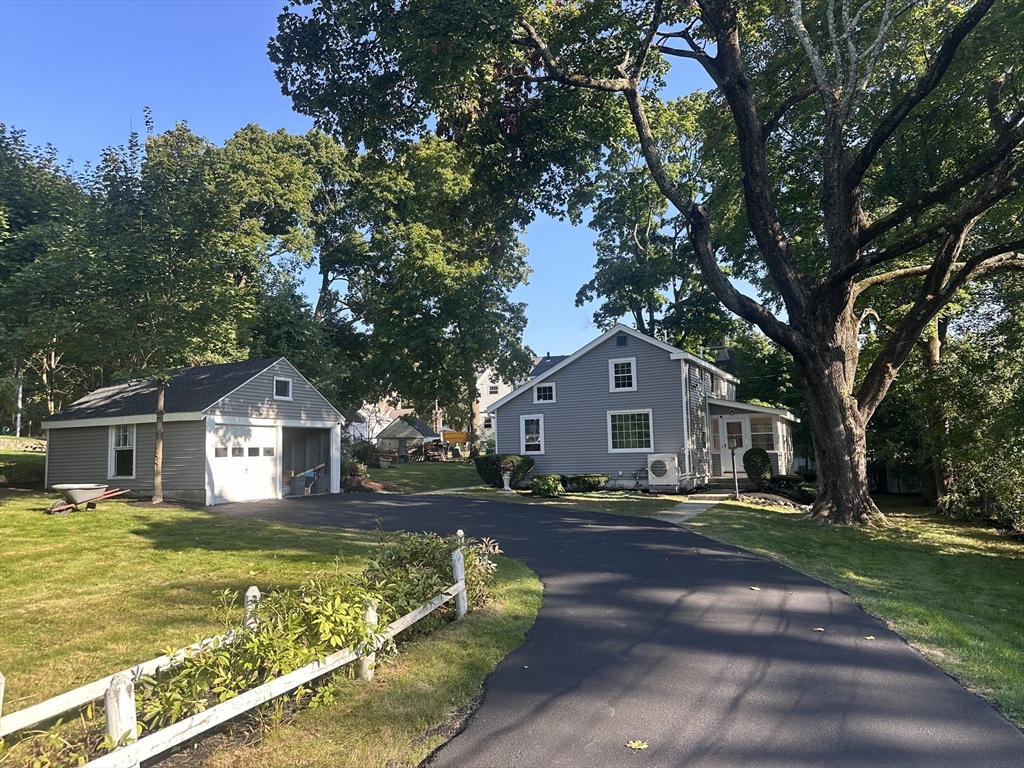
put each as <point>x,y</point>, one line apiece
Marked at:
<point>455,437</point>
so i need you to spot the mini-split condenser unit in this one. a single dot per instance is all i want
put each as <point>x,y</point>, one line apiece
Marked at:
<point>662,470</point>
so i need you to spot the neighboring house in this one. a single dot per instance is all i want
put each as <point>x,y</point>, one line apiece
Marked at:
<point>232,432</point>
<point>640,411</point>
<point>404,432</point>
<point>491,388</point>
<point>372,418</point>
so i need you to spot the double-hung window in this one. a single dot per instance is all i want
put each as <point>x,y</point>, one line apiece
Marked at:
<point>622,375</point>
<point>531,433</point>
<point>122,451</point>
<point>761,433</point>
<point>544,393</point>
<point>630,431</point>
<point>492,389</point>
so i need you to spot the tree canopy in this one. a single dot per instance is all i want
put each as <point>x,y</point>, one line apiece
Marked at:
<point>848,146</point>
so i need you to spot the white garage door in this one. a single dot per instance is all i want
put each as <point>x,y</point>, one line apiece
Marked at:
<point>245,463</point>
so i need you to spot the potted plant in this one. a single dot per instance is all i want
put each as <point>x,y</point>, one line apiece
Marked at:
<point>385,460</point>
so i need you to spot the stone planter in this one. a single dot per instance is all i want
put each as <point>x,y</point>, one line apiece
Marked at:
<point>385,462</point>
<point>505,477</point>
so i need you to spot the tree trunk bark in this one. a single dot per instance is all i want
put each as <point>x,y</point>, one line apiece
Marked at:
<point>840,444</point>
<point>158,444</point>
<point>936,474</point>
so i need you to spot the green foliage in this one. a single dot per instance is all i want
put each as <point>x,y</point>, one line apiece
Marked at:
<point>366,453</point>
<point>546,485</point>
<point>22,469</point>
<point>584,483</point>
<point>295,627</point>
<point>758,467</point>
<point>489,467</point>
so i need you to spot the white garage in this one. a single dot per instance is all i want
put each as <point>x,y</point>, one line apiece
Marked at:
<point>232,432</point>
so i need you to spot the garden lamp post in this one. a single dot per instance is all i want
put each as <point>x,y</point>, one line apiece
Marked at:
<point>735,478</point>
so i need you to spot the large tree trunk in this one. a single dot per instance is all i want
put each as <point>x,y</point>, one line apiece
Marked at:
<point>837,428</point>
<point>936,474</point>
<point>158,444</point>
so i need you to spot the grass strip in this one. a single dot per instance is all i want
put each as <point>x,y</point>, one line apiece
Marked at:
<point>420,476</point>
<point>952,589</point>
<point>628,503</point>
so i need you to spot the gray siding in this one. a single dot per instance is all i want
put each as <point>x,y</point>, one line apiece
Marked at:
<point>77,455</point>
<point>255,399</point>
<point>575,426</point>
<point>81,455</point>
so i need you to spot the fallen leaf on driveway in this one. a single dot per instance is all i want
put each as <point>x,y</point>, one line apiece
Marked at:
<point>756,589</point>
<point>870,637</point>
<point>819,629</point>
<point>636,745</point>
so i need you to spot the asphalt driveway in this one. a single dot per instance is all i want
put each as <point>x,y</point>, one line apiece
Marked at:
<point>651,632</point>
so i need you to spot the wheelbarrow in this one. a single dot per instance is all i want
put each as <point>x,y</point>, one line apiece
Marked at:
<point>77,494</point>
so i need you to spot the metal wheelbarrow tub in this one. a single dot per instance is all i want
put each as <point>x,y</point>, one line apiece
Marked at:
<point>77,494</point>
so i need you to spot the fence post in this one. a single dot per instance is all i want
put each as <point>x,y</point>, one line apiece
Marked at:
<point>252,599</point>
<point>3,682</point>
<point>119,707</point>
<point>459,572</point>
<point>368,660</point>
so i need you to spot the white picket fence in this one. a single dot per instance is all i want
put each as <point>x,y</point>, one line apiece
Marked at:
<point>118,690</point>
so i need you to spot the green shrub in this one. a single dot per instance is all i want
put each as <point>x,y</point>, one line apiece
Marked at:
<point>758,467</point>
<point>786,481</point>
<point>809,475</point>
<point>584,483</point>
<point>297,626</point>
<point>546,485</point>
<point>366,453</point>
<point>488,467</point>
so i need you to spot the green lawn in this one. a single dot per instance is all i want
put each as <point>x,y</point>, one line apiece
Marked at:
<point>954,590</point>
<point>626,503</point>
<point>87,594</point>
<point>419,476</point>
<point>22,469</point>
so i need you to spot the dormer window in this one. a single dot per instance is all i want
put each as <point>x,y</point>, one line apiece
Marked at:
<point>282,389</point>
<point>544,393</point>
<point>622,375</point>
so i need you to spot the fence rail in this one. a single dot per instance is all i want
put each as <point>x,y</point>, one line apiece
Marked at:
<point>118,690</point>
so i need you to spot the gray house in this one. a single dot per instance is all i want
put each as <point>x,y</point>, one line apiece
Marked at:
<point>641,412</point>
<point>232,432</point>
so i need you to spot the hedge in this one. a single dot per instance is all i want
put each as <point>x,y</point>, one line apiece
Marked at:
<point>489,469</point>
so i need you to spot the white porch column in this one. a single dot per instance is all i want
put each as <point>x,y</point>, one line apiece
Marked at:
<point>336,458</point>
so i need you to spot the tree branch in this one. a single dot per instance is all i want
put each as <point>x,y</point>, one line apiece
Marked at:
<point>825,87</point>
<point>645,49</point>
<point>1007,186</point>
<point>929,82</point>
<point>611,85</point>
<point>957,181</point>
<point>784,107</point>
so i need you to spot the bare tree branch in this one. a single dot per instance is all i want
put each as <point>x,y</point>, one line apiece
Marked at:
<point>825,87</point>
<point>534,41</point>
<point>645,49</point>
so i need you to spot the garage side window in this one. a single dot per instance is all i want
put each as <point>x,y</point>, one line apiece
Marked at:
<point>282,389</point>
<point>122,451</point>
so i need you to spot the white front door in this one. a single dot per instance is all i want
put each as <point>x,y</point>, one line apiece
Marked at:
<point>735,434</point>
<point>245,463</point>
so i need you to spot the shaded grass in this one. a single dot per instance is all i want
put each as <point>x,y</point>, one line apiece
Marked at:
<point>22,469</point>
<point>954,590</point>
<point>420,476</point>
<point>87,594</point>
<point>407,711</point>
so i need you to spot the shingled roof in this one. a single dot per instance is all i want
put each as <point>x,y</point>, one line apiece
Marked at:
<point>400,428</point>
<point>188,390</point>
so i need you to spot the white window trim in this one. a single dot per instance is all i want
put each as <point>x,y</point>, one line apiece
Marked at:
<point>611,374</point>
<point>554,393</point>
<point>522,434</point>
<point>291,387</point>
<point>495,387</point>
<point>608,424</point>
<point>111,462</point>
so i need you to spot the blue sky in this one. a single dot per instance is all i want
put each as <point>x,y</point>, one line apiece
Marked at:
<point>78,74</point>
